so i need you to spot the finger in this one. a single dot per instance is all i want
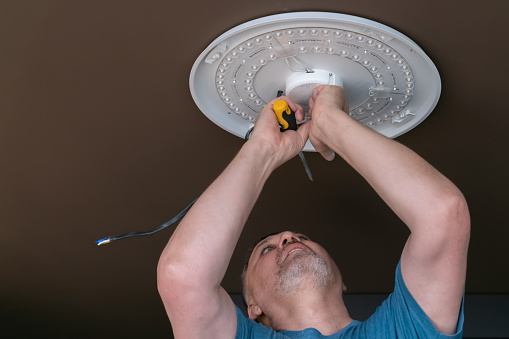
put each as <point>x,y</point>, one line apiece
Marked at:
<point>265,117</point>
<point>314,96</point>
<point>311,105</point>
<point>316,92</point>
<point>297,109</point>
<point>266,121</point>
<point>299,113</point>
<point>327,153</point>
<point>303,131</point>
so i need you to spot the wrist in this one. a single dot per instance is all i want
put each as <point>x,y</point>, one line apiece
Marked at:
<point>260,154</point>
<point>328,125</point>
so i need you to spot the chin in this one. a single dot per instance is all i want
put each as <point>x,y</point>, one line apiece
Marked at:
<point>305,269</point>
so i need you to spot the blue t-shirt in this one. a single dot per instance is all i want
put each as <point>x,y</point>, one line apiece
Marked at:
<point>399,316</point>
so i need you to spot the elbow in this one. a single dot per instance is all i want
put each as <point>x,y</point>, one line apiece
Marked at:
<point>179,288</point>
<point>454,218</point>
<point>443,230</point>
<point>169,278</point>
<point>176,279</point>
<point>164,276</point>
<point>459,212</point>
<point>174,291</point>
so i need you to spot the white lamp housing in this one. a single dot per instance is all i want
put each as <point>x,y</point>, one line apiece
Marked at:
<point>390,83</point>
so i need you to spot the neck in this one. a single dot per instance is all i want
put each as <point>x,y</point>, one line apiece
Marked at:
<point>323,310</point>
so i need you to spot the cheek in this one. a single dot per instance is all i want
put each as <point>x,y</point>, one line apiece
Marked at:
<point>325,255</point>
<point>264,274</point>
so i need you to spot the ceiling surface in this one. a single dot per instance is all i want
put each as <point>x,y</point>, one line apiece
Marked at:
<point>99,136</point>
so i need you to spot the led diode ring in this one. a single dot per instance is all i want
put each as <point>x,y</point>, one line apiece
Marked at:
<point>389,81</point>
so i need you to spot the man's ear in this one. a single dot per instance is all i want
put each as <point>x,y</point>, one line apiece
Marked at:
<point>344,288</point>
<point>253,310</point>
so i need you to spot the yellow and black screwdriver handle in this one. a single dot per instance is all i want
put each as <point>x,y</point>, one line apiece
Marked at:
<point>285,116</point>
<point>287,120</point>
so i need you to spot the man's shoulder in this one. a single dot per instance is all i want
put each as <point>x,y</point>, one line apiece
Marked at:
<point>400,315</point>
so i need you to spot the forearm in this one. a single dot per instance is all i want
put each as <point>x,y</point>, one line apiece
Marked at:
<point>201,247</point>
<point>414,190</point>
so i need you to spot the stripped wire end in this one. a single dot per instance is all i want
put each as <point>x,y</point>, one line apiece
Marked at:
<point>103,241</point>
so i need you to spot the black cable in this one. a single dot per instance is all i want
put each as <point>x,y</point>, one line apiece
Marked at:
<point>155,230</point>
<point>178,217</point>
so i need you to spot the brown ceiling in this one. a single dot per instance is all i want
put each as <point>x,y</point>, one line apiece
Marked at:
<point>99,136</point>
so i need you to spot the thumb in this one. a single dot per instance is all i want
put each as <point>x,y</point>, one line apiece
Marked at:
<point>303,131</point>
<point>327,153</point>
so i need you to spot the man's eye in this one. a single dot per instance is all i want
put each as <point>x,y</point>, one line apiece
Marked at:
<point>267,250</point>
<point>303,237</point>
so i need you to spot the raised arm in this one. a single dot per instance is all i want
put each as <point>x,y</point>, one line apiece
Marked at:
<point>195,260</point>
<point>434,259</point>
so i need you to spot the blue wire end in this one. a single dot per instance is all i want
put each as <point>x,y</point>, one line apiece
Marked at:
<point>103,241</point>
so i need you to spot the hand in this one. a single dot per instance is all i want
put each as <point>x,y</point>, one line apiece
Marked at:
<point>325,102</point>
<point>283,145</point>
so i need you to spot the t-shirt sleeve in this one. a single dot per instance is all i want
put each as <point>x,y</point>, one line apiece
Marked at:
<point>400,316</point>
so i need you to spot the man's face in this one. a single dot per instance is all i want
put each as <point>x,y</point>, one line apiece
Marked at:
<point>286,262</point>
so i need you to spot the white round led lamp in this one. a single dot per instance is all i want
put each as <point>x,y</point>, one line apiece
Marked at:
<point>390,83</point>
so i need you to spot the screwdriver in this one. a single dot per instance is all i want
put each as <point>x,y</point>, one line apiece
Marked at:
<point>286,118</point>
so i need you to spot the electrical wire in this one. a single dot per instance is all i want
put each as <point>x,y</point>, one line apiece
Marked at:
<point>178,217</point>
<point>170,222</point>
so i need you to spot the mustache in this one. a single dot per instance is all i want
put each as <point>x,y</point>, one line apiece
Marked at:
<point>281,251</point>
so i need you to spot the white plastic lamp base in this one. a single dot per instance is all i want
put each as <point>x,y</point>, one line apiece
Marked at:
<point>390,83</point>
<point>300,86</point>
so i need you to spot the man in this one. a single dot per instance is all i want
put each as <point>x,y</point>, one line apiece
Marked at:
<point>293,288</point>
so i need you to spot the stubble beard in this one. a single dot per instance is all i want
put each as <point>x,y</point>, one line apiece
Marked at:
<point>303,266</point>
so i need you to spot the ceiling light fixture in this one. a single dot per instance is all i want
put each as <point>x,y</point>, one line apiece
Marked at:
<point>391,84</point>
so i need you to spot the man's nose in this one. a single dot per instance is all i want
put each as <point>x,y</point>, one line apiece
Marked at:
<point>287,237</point>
